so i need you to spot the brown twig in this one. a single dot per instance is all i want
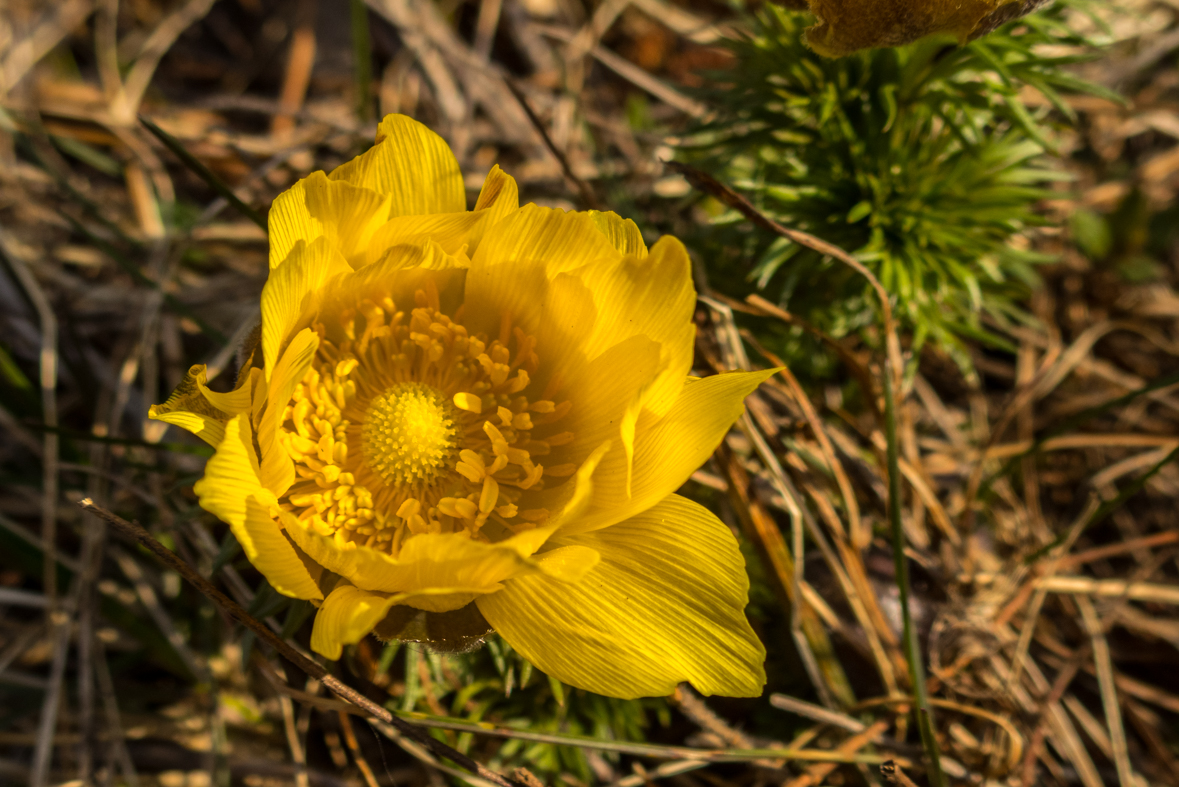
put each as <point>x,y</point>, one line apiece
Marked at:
<point>311,668</point>
<point>893,774</point>
<point>706,719</point>
<point>710,185</point>
<point>1059,686</point>
<point>858,370</point>
<point>583,189</point>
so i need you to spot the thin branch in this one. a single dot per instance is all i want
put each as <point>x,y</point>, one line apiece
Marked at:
<point>584,189</point>
<point>311,668</point>
<point>702,181</point>
<point>650,750</point>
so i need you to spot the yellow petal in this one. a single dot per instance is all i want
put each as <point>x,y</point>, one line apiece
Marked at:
<point>308,267</point>
<point>558,240</point>
<point>607,393</point>
<point>188,408</point>
<point>349,214</point>
<point>526,267</point>
<point>346,214</point>
<point>668,450</point>
<point>651,296</point>
<point>239,400</point>
<point>277,469</point>
<point>499,194</point>
<point>230,489</point>
<point>623,233</point>
<point>289,222</point>
<point>569,563</point>
<point>665,604</point>
<point>498,199</point>
<point>451,231</point>
<point>347,615</point>
<point>440,563</point>
<point>560,279</point>
<point>411,165</point>
<point>209,429</point>
<point>400,273</point>
<point>444,571</point>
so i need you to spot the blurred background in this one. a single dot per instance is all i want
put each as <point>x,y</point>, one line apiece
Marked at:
<point>1014,195</point>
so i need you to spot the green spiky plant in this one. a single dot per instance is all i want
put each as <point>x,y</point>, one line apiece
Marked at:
<point>922,160</point>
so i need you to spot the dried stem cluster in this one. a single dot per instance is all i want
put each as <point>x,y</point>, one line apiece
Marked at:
<point>1034,500</point>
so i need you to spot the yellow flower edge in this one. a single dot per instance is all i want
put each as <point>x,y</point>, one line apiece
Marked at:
<point>847,26</point>
<point>491,410</point>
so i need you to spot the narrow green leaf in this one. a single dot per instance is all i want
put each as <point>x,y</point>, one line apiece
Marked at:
<point>1108,507</point>
<point>911,646</point>
<point>140,278</point>
<point>203,172</point>
<point>363,57</point>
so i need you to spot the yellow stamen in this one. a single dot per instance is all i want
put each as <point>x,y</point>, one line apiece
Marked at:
<point>409,434</point>
<point>406,424</point>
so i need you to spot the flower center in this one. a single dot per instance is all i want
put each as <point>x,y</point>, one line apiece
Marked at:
<point>409,434</point>
<point>407,424</point>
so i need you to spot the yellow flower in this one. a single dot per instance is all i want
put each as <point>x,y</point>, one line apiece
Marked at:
<point>457,420</point>
<point>846,26</point>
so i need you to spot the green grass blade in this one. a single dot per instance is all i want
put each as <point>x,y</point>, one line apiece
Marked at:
<point>140,278</point>
<point>362,53</point>
<point>203,172</point>
<point>911,646</point>
<point>1079,418</point>
<point>1108,507</point>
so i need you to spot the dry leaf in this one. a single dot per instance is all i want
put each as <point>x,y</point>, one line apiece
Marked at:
<point>847,26</point>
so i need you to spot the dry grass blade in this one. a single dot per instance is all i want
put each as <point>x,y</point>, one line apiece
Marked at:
<point>43,753</point>
<point>153,48</point>
<point>855,525</point>
<point>1109,692</point>
<point>817,773</point>
<point>634,74</point>
<point>58,24</point>
<point>894,369</point>
<point>814,644</point>
<point>110,704</point>
<point>816,713</point>
<point>649,750</point>
<point>366,770</point>
<point>48,384</point>
<point>311,668</point>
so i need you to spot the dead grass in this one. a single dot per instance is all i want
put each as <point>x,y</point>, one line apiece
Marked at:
<point>1039,495</point>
